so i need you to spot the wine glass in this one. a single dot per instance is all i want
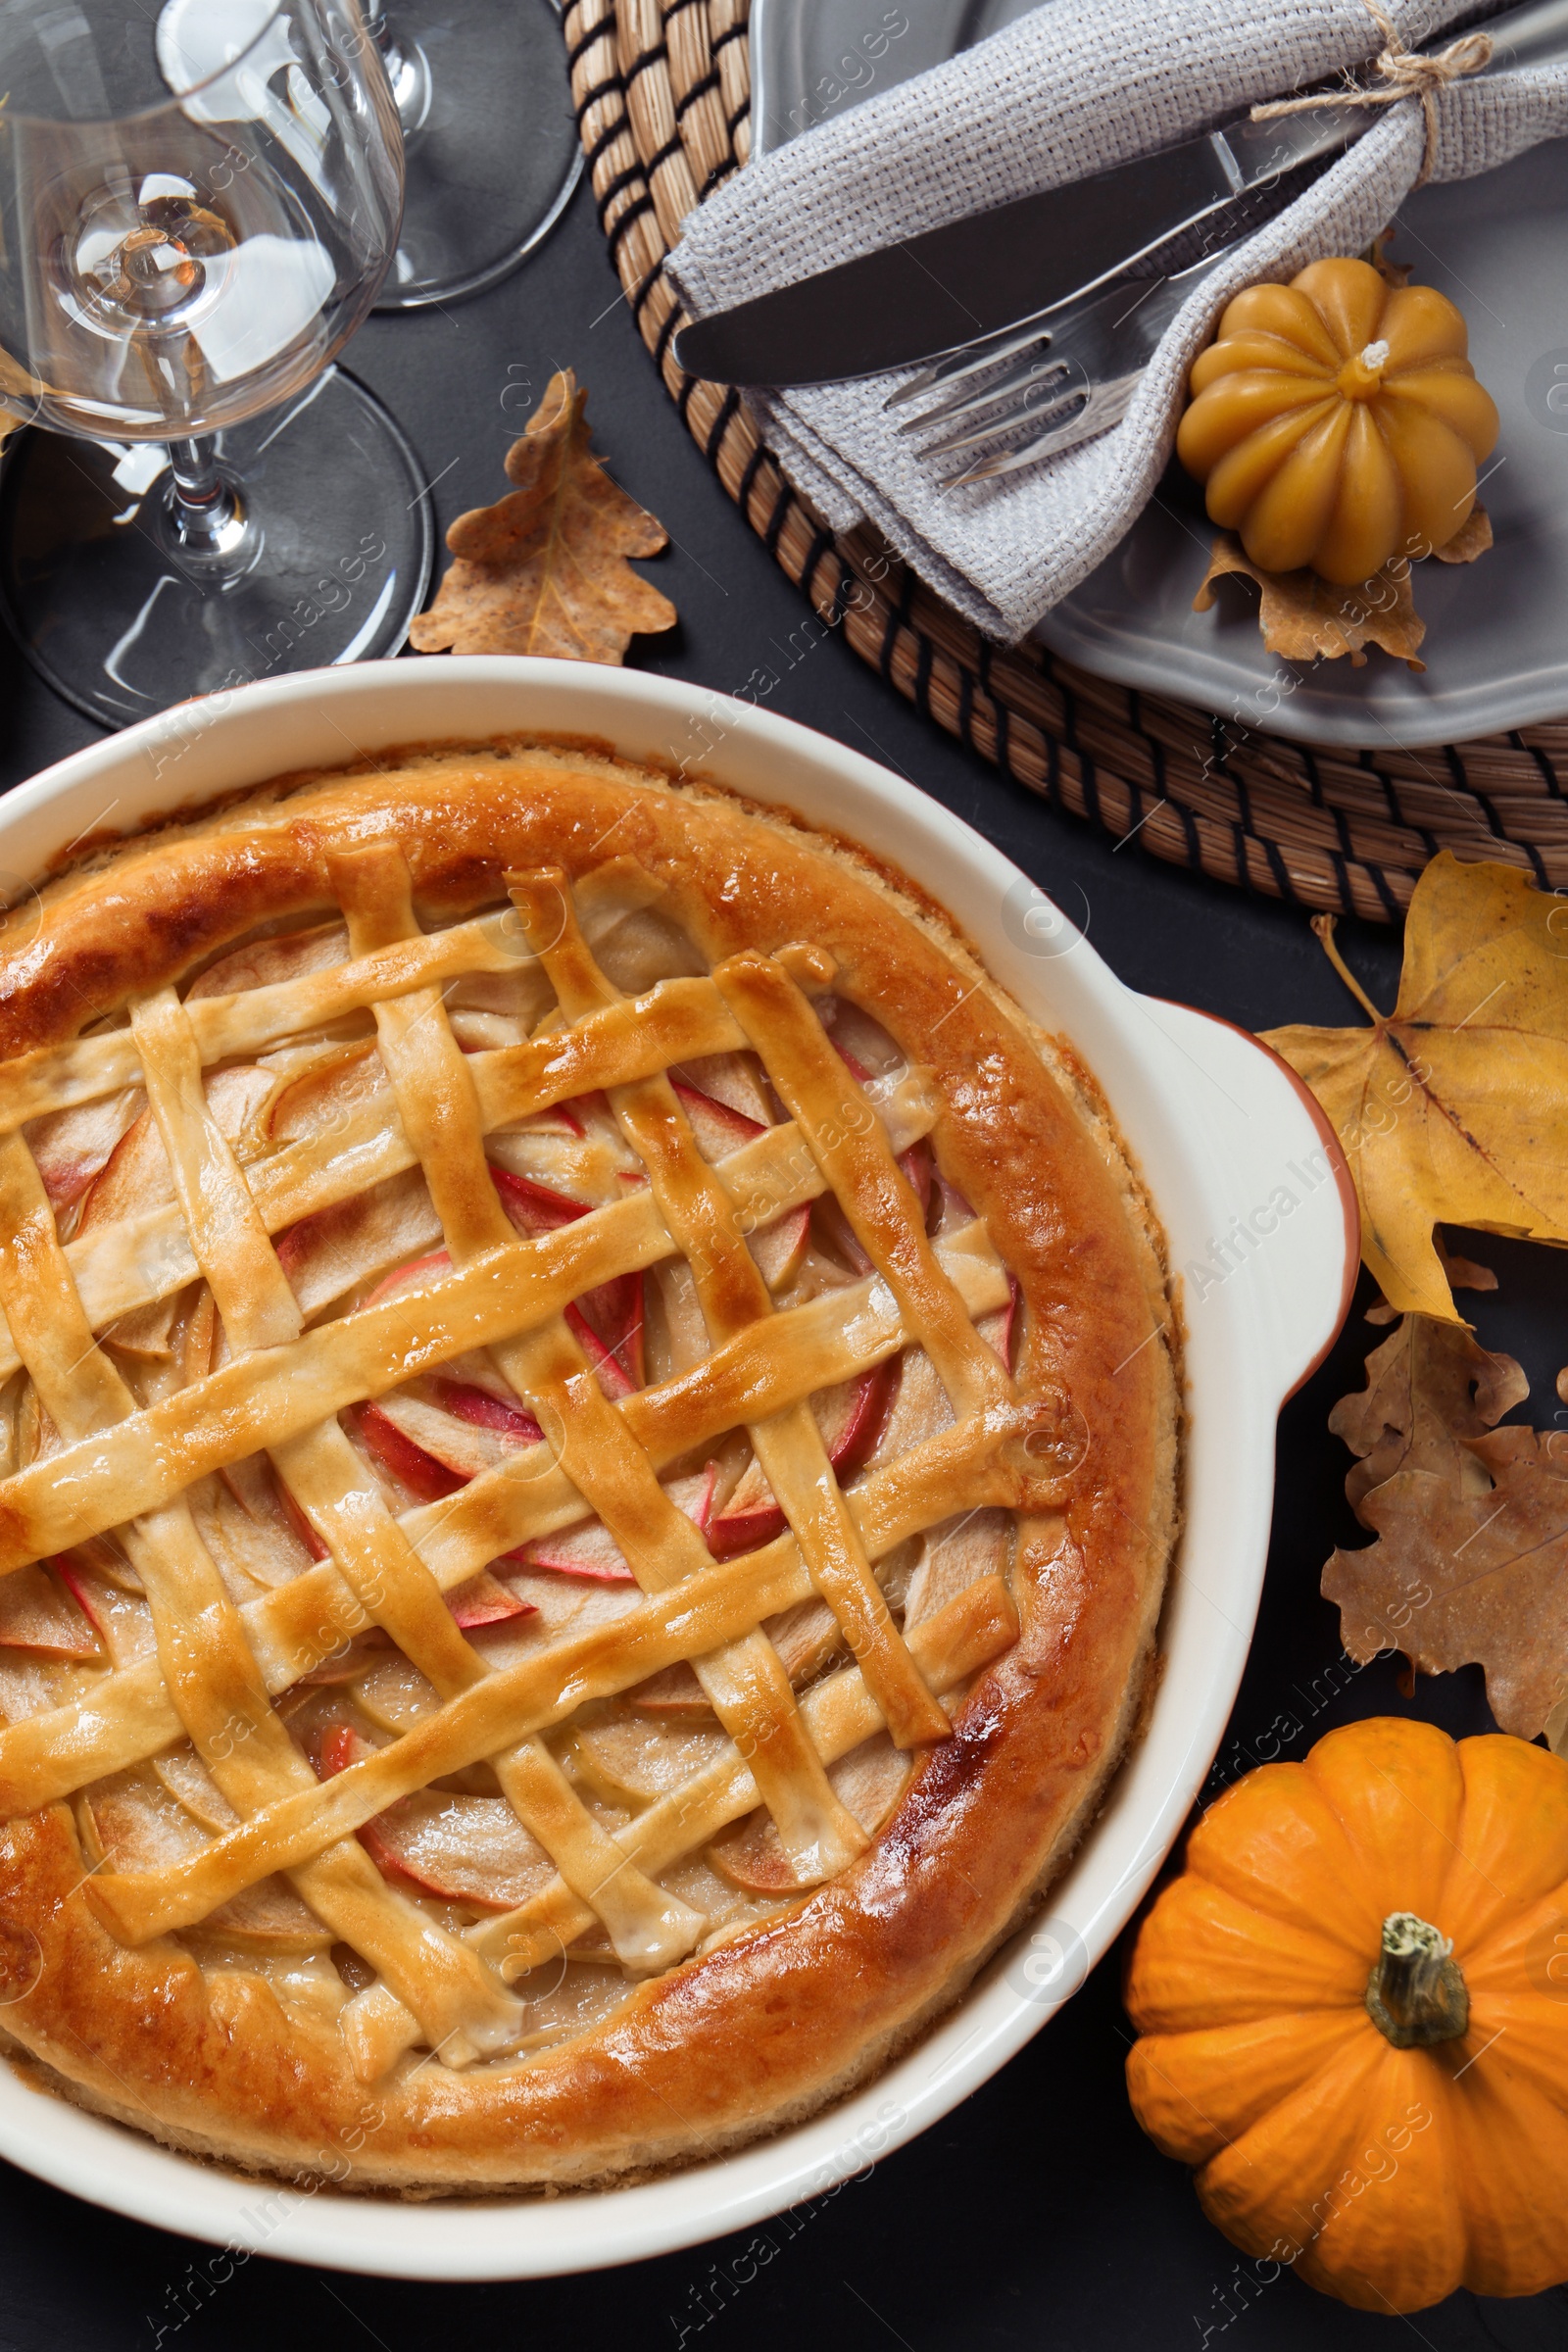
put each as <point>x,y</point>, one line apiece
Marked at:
<point>196,210</point>
<point>489,137</point>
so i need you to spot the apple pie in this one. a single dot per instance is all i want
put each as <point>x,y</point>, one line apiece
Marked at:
<point>589,1457</point>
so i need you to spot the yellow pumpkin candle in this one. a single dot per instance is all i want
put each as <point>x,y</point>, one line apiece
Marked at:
<point>1336,422</point>
<point>1353,2010</point>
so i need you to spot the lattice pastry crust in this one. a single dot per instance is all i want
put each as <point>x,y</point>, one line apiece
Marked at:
<point>589,1458</point>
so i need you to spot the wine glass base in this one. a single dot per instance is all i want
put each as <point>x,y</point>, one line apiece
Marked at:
<point>96,592</point>
<point>490,145</point>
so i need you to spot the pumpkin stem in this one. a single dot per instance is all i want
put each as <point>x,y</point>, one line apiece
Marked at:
<point>1415,1995</point>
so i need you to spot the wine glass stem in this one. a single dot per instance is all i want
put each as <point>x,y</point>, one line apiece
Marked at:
<point>406,70</point>
<point>205,512</point>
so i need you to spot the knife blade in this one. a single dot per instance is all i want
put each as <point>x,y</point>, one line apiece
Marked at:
<point>977,274</point>
<point>982,273</point>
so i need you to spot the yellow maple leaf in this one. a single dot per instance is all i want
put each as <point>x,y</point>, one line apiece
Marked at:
<point>1453,1109</point>
<point>545,570</point>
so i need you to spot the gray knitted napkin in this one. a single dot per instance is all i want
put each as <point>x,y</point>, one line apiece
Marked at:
<point>1071,89</point>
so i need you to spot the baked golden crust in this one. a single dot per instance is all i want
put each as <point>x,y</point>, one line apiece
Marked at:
<point>752,2030</point>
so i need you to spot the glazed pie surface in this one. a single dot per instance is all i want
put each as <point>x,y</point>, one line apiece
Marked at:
<point>589,1455</point>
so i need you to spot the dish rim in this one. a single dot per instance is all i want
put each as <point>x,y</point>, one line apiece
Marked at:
<point>1249,1341</point>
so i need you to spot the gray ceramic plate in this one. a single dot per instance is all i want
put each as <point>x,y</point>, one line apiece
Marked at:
<point>813,58</point>
<point>1496,645</point>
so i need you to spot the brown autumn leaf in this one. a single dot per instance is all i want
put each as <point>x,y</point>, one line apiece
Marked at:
<point>1471,1559</point>
<point>1430,1388</point>
<point>1472,539</point>
<point>1308,619</point>
<point>545,570</point>
<point>1396,274</point>
<point>1304,618</point>
<point>1450,1108</point>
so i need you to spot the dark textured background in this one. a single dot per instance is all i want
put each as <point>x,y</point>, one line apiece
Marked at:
<point>1036,2214</point>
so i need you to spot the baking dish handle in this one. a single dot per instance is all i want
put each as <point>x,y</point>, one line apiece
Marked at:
<point>1292,1232</point>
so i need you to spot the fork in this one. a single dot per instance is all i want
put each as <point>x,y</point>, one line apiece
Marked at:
<point>1071,372</point>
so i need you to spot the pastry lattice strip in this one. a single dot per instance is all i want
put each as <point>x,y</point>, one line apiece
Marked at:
<point>524,1328</point>
<point>218,1696</point>
<point>440,1114</point>
<point>838,1713</point>
<point>295,1628</point>
<point>148,1257</point>
<point>747,1686</point>
<point>976,1465</point>
<point>265,1400</point>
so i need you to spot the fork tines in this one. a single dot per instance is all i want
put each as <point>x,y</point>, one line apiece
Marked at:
<point>1062,375</point>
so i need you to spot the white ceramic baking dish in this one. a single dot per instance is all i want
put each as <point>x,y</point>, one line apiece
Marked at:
<point>1260,1219</point>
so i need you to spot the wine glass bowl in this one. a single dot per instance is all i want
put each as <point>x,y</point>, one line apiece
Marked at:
<point>198,206</point>
<point>186,266</point>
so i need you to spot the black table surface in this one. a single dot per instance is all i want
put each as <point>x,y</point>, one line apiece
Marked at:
<point>1036,2214</point>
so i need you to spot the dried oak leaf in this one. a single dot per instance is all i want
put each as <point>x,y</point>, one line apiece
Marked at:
<point>1471,1559</point>
<point>545,570</point>
<point>1472,539</point>
<point>1450,1109</point>
<point>1430,1388</point>
<point>1396,274</point>
<point>1304,618</point>
<point>1308,619</point>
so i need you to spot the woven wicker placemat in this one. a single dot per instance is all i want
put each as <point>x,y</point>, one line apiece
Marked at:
<point>663,94</point>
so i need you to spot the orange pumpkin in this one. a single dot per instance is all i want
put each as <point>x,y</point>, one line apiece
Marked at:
<point>1385,2113</point>
<point>1336,422</point>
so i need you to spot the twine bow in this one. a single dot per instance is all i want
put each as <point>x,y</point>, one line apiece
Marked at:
<point>1406,74</point>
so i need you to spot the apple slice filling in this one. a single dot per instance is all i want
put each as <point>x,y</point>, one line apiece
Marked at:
<point>462,1850</point>
<point>609,1319</point>
<point>627,1759</point>
<point>588,1550</point>
<point>334,1252</point>
<point>72,1146</point>
<point>720,1128</point>
<point>850,1418</point>
<point>955,1555</point>
<point>278,955</point>
<point>37,1615</point>
<point>252,1527</point>
<point>121,1620</point>
<point>137,1821</point>
<point>869,1780</point>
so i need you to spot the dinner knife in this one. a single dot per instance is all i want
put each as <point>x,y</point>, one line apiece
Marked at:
<point>986,271</point>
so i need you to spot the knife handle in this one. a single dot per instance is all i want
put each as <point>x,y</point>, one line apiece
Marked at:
<point>1536,35</point>
<point>1254,154</point>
